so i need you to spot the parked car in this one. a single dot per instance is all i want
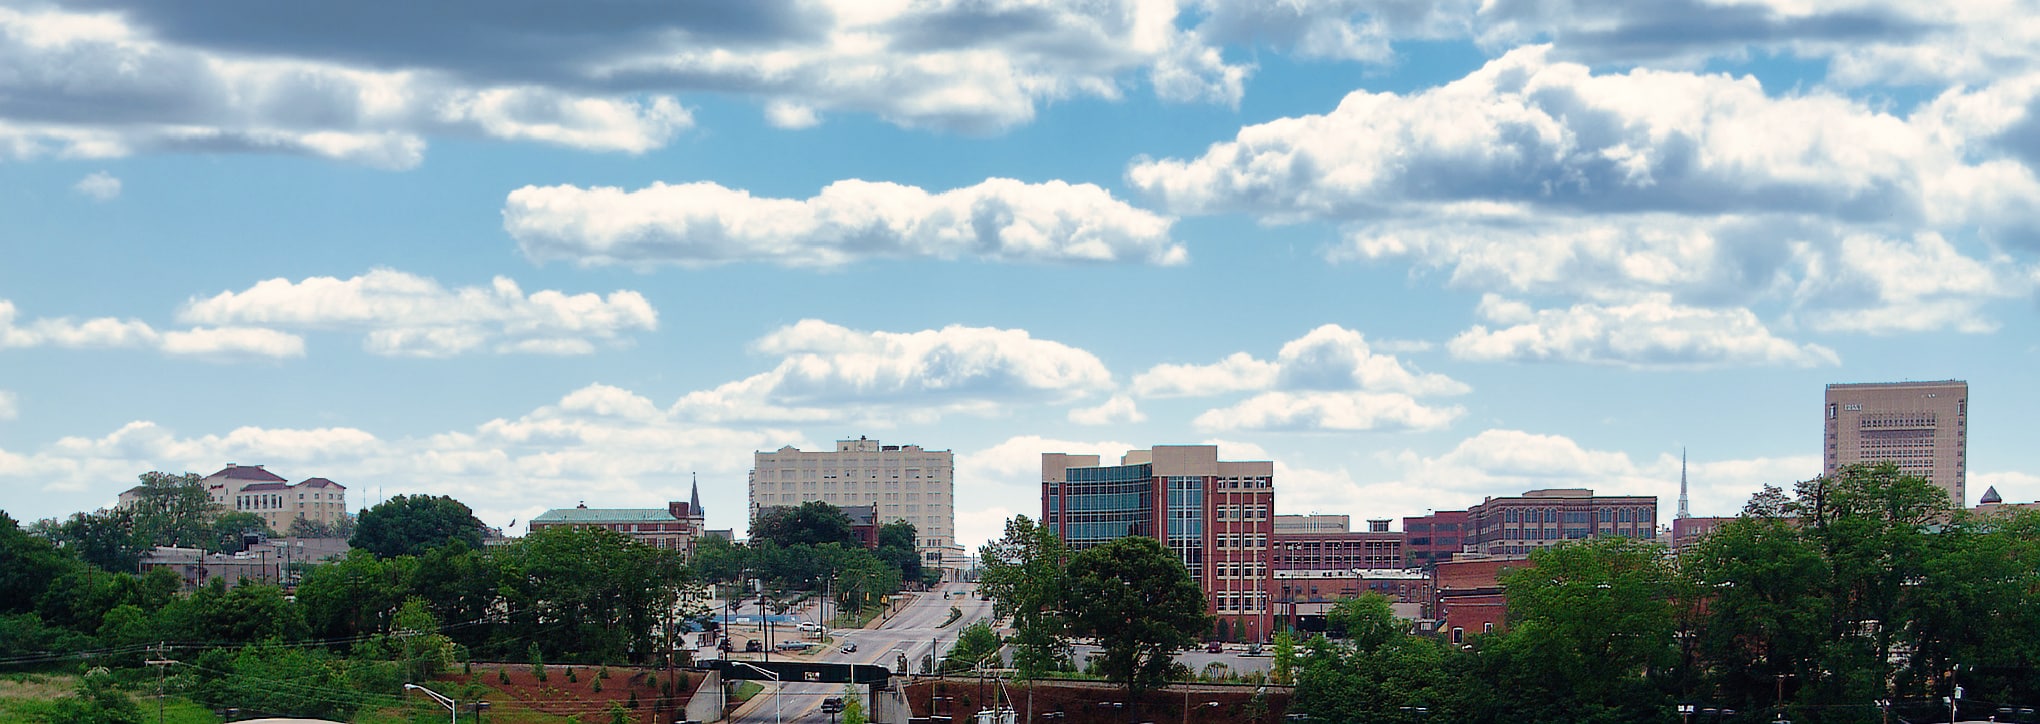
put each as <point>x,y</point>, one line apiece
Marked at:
<point>754,646</point>
<point>850,647</point>
<point>793,645</point>
<point>1214,648</point>
<point>810,626</point>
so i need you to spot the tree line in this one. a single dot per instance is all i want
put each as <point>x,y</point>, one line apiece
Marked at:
<point>1862,596</point>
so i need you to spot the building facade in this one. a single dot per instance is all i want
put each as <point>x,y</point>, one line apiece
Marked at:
<point>1216,516</point>
<point>1514,526</point>
<point>253,489</point>
<point>1324,543</point>
<point>1428,539</point>
<point>905,482</point>
<point>1923,427</point>
<point>675,527</point>
<point>1303,597</point>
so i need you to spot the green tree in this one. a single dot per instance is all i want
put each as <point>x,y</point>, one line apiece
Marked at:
<point>1023,573</point>
<point>973,644</point>
<point>174,510</point>
<point>355,596</point>
<point>853,705</point>
<point>897,547</point>
<point>1367,621</point>
<point>1591,625</point>
<point>1137,600</point>
<point>228,532</point>
<point>97,700</point>
<point>1282,666</point>
<point>408,525</point>
<point>811,523</point>
<point>28,565</point>
<point>588,593</point>
<point>106,539</point>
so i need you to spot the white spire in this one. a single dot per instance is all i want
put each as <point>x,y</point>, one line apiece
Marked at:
<point>1683,511</point>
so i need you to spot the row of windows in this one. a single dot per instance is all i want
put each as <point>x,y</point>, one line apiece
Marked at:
<point>1241,512</point>
<point>1255,602</point>
<point>1241,540</point>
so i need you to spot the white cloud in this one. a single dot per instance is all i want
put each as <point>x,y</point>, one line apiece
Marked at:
<point>1329,357</point>
<point>232,341</point>
<point>146,77</point>
<point>10,407</point>
<point>1238,372</point>
<point>1875,284</point>
<point>2013,486</point>
<point>599,443</point>
<point>1328,411</point>
<point>1116,410</point>
<point>700,224</point>
<point>406,314</point>
<point>828,371</point>
<point>1526,131</point>
<point>1359,30</point>
<point>997,482</point>
<point>782,114</point>
<point>99,186</point>
<point>109,332</point>
<point>1650,332</point>
<point>104,85</point>
<point>1501,462</point>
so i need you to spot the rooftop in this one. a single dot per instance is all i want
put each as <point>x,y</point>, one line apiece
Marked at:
<point>605,515</point>
<point>247,472</point>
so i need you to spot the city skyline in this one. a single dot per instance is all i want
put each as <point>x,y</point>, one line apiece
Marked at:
<point>1415,259</point>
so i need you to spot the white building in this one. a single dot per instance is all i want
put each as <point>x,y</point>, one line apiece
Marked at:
<point>904,481</point>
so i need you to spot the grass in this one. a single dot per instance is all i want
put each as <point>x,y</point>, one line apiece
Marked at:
<point>856,619</point>
<point>33,697</point>
<point>748,689</point>
<point>954,614</point>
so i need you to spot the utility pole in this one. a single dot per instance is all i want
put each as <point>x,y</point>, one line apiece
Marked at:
<point>159,662</point>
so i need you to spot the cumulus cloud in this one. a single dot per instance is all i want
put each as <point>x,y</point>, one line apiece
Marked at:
<point>830,372</point>
<point>1651,332</point>
<point>1500,462</point>
<point>406,314</point>
<point>1529,131</point>
<point>1360,30</point>
<point>114,77</point>
<point>109,332</point>
<point>104,84</point>
<point>700,224</point>
<point>1876,284</point>
<point>98,186</point>
<point>1329,357</point>
<point>596,443</point>
<point>1328,411</point>
<point>1118,409</point>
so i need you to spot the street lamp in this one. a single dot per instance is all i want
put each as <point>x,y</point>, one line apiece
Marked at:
<point>777,686</point>
<point>436,696</point>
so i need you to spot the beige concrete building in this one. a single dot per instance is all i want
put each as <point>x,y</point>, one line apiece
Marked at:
<point>905,482</point>
<point>253,489</point>
<point>1923,427</point>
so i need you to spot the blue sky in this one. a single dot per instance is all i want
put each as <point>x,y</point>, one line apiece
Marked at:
<point>1417,253</point>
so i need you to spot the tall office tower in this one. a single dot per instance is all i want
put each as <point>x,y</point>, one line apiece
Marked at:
<point>1921,426</point>
<point>904,481</point>
<point>1217,516</point>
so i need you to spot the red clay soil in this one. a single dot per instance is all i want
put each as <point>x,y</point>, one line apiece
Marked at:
<point>561,697</point>
<point>1089,702</point>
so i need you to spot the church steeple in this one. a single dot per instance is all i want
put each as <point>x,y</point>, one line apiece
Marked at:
<point>694,501</point>
<point>1683,511</point>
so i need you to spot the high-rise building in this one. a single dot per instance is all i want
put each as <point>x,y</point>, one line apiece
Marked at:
<point>905,482</point>
<point>1217,516</point>
<point>1923,427</point>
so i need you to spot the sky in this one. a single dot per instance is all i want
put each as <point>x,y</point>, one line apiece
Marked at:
<point>1417,253</point>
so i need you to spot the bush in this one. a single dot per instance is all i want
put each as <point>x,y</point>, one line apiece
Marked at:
<point>571,676</point>
<point>597,686</point>
<point>502,677</point>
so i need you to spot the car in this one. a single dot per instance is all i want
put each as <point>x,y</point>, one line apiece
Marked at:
<point>850,648</point>
<point>1214,648</point>
<point>753,646</point>
<point>793,645</point>
<point>832,705</point>
<point>810,626</point>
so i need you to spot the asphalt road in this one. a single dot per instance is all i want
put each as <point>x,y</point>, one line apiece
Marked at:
<point>914,630</point>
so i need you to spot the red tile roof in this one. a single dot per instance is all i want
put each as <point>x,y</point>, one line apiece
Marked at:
<point>247,472</point>
<point>263,487</point>
<point>321,483</point>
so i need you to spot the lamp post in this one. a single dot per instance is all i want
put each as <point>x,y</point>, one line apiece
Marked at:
<point>777,686</point>
<point>438,697</point>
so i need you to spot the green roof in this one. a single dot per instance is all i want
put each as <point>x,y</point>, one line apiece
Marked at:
<point>606,515</point>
